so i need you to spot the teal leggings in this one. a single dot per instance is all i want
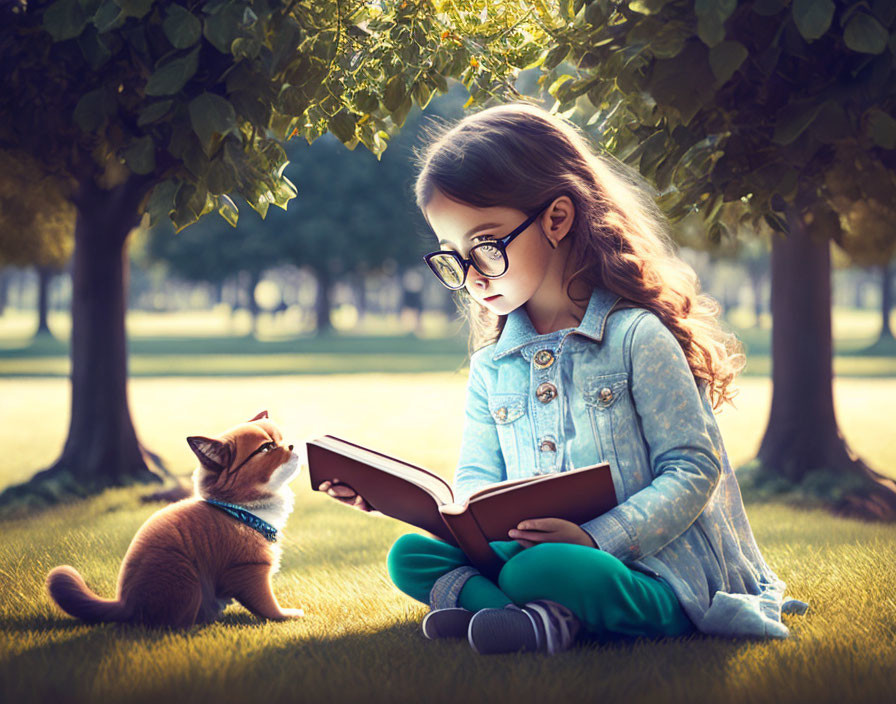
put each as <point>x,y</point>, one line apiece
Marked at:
<point>608,597</point>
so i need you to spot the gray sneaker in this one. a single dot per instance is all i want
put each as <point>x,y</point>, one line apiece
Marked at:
<point>540,626</point>
<point>446,623</point>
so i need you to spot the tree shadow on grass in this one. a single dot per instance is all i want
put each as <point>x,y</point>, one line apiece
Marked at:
<point>234,660</point>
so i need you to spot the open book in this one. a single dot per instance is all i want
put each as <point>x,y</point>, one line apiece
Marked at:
<point>422,499</point>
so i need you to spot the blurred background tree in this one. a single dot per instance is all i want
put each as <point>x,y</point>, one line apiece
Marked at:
<point>36,226</point>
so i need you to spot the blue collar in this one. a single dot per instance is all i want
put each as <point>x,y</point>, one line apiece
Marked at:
<point>244,516</point>
<point>519,331</point>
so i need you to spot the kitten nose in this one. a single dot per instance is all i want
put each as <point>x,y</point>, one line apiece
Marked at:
<point>290,448</point>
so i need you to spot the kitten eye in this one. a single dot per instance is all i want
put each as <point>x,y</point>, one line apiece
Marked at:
<point>267,448</point>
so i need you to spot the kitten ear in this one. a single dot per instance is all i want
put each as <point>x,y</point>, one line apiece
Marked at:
<point>262,414</point>
<point>213,454</point>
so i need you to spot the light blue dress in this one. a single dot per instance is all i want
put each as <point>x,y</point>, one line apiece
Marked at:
<point>618,389</point>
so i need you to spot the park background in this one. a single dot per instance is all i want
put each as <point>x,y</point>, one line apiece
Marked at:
<point>323,314</point>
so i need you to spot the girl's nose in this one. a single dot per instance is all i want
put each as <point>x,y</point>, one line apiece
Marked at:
<point>474,278</point>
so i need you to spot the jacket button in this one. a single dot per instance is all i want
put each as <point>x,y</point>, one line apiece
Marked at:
<point>547,446</point>
<point>501,414</point>
<point>606,394</point>
<point>543,359</point>
<point>546,392</point>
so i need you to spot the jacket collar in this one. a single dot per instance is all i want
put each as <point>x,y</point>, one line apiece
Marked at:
<point>519,332</point>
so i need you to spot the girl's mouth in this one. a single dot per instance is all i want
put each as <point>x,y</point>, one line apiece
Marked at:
<point>491,298</point>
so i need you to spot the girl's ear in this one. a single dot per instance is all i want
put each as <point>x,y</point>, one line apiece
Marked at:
<point>213,454</point>
<point>558,219</point>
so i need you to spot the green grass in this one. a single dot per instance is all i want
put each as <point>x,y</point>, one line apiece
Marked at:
<point>360,640</point>
<point>216,344</point>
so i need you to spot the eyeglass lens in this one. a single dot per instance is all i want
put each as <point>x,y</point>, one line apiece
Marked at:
<point>489,260</point>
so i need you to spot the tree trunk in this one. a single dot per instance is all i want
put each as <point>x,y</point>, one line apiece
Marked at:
<point>886,332</point>
<point>322,301</point>
<point>251,303</point>
<point>4,290</point>
<point>756,282</point>
<point>359,286</point>
<point>102,449</point>
<point>802,437</point>
<point>44,279</point>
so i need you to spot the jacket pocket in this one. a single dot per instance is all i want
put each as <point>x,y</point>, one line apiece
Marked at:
<point>603,395</point>
<point>508,410</point>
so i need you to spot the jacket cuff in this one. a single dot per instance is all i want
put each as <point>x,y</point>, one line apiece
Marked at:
<point>446,590</point>
<point>612,534</point>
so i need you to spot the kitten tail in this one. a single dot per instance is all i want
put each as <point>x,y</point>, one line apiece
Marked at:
<point>69,590</point>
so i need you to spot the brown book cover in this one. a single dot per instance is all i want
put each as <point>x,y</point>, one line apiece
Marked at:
<point>420,498</point>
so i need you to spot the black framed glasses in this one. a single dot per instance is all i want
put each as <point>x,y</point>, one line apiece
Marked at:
<point>488,258</point>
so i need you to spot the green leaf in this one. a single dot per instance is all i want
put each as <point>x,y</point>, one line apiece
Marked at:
<point>135,8</point>
<point>65,19</point>
<point>222,27</point>
<point>284,192</point>
<point>711,16</point>
<point>555,86</point>
<point>399,115</point>
<point>555,56</point>
<point>725,58</point>
<point>881,128</point>
<point>227,209</point>
<point>161,202</point>
<point>395,93</point>
<point>643,7</point>
<point>813,17</point>
<point>170,78</point>
<point>154,112</point>
<point>182,27</point>
<point>210,114</point>
<point>342,124</point>
<point>108,16</point>
<point>221,177</point>
<point>94,49</point>
<point>865,34</point>
<point>668,42</point>
<point>140,155</point>
<point>792,121</point>
<point>93,109</point>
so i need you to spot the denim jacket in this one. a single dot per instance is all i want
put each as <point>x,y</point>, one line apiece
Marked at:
<point>618,389</point>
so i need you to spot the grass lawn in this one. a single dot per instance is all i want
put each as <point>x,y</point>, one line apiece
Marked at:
<point>214,343</point>
<point>360,640</point>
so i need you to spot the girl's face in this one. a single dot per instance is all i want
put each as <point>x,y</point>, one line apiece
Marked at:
<point>530,257</point>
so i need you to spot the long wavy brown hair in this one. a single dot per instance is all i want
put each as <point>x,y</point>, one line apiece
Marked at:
<point>519,155</point>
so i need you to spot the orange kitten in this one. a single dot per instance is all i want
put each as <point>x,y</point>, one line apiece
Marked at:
<point>189,559</point>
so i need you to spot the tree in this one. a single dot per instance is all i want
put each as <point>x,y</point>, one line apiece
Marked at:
<point>213,251</point>
<point>36,222</point>
<point>753,108</point>
<point>163,109</point>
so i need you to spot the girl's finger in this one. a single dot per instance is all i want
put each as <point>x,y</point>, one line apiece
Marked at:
<point>533,536</point>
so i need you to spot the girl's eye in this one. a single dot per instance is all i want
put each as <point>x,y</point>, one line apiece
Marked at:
<point>489,251</point>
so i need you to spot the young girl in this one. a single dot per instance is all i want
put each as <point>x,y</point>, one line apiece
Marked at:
<point>592,344</point>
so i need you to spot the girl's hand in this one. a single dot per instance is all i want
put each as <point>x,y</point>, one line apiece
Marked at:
<point>344,494</point>
<point>550,530</point>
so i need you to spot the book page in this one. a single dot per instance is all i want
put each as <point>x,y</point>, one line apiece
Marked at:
<point>432,484</point>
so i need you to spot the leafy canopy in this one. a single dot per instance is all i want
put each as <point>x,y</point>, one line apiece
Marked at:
<point>197,97</point>
<point>748,106</point>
